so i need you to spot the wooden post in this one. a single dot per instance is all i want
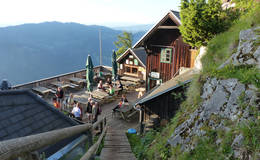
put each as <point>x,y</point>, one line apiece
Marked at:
<point>141,119</point>
<point>101,126</point>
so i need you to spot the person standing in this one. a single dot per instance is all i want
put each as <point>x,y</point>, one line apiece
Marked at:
<point>60,95</point>
<point>89,109</point>
<point>70,102</point>
<point>120,86</point>
<point>95,111</point>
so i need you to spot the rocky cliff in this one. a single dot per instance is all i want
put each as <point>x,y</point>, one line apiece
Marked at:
<point>229,107</point>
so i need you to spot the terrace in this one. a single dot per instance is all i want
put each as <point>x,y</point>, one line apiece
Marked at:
<point>74,82</point>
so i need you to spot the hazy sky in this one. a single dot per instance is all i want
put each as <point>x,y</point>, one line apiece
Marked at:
<point>101,12</point>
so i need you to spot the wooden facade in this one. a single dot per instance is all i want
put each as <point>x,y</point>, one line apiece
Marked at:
<point>166,51</point>
<point>133,63</point>
<point>165,106</point>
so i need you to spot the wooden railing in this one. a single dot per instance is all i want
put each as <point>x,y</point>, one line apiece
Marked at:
<point>24,147</point>
<point>62,77</point>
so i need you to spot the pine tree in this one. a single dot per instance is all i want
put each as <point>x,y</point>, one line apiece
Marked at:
<point>201,21</point>
<point>124,41</point>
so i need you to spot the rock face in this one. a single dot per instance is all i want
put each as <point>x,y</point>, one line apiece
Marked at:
<point>224,100</point>
<point>248,51</point>
<point>220,102</point>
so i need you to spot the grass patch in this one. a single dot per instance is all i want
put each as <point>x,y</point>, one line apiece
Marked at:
<point>250,131</point>
<point>140,144</point>
<point>221,47</point>
<point>245,74</point>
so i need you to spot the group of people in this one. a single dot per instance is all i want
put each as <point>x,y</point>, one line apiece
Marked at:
<point>93,110</point>
<point>110,90</point>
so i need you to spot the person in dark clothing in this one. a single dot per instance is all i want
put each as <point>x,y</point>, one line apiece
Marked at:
<point>89,109</point>
<point>119,85</point>
<point>109,82</point>
<point>60,95</point>
<point>122,101</point>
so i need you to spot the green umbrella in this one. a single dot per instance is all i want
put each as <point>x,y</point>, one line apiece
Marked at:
<point>114,66</point>
<point>89,74</point>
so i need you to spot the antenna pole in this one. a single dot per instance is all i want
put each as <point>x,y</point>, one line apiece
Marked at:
<point>100,48</point>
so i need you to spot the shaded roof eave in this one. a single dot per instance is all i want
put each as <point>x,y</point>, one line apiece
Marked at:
<point>155,26</point>
<point>144,100</point>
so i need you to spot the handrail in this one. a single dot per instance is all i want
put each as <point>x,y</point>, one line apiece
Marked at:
<point>93,149</point>
<point>13,148</point>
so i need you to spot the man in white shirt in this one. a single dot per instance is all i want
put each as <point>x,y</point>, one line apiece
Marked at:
<point>76,112</point>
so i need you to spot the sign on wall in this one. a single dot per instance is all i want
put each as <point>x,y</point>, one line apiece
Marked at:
<point>155,75</point>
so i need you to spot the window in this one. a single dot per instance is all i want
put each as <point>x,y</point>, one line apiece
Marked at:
<point>121,66</point>
<point>136,62</point>
<point>166,55</point>
<point>128,69</point>
<point>134,70</point>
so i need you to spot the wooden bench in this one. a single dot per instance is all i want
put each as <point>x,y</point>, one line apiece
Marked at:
<point>43,91</point>
<point>77,81</point>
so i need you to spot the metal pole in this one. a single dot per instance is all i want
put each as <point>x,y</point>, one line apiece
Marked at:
<point>100,48</point>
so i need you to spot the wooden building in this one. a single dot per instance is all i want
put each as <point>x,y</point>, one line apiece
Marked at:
<point>133,63</point>
<point>166,51</point>
<point>164,100</point>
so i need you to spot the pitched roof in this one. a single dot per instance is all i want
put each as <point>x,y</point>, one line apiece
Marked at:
<point>23,113</point>
<point>177,14</point>
<point>168,86</point>
<point>139,53</point>
<point>171,14</point>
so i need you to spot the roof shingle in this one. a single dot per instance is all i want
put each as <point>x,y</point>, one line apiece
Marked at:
<point>22,113</point>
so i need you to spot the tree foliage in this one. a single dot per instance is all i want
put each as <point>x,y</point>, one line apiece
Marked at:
<point>201,21</point>
<point>124,41</point>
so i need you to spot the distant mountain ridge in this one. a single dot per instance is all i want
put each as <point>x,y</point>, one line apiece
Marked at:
<point>33,51</point>
<point>135,28</point>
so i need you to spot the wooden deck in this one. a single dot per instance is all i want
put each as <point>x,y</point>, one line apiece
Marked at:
<point>116,146</point>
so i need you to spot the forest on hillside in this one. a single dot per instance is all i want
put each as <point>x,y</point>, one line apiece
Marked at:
<point>34,51</point>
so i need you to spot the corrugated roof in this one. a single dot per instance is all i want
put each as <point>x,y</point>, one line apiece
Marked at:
<point>23,113</point>
<point>169,86</point>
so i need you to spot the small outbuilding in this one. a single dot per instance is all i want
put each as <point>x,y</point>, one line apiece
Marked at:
<point>164,100</point>
<point>133,63</point>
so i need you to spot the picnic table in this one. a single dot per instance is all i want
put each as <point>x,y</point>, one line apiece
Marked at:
<point>43,91</point>
<point>126,78</point>
<point>126,110</point>
<point>64,85</point>
<point>78,81</point>
<point>98,94</point>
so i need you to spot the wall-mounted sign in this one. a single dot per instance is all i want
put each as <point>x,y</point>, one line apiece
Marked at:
<point>155,75</point>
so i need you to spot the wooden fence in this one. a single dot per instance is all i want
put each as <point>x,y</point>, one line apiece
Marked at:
<point>24,147</point>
